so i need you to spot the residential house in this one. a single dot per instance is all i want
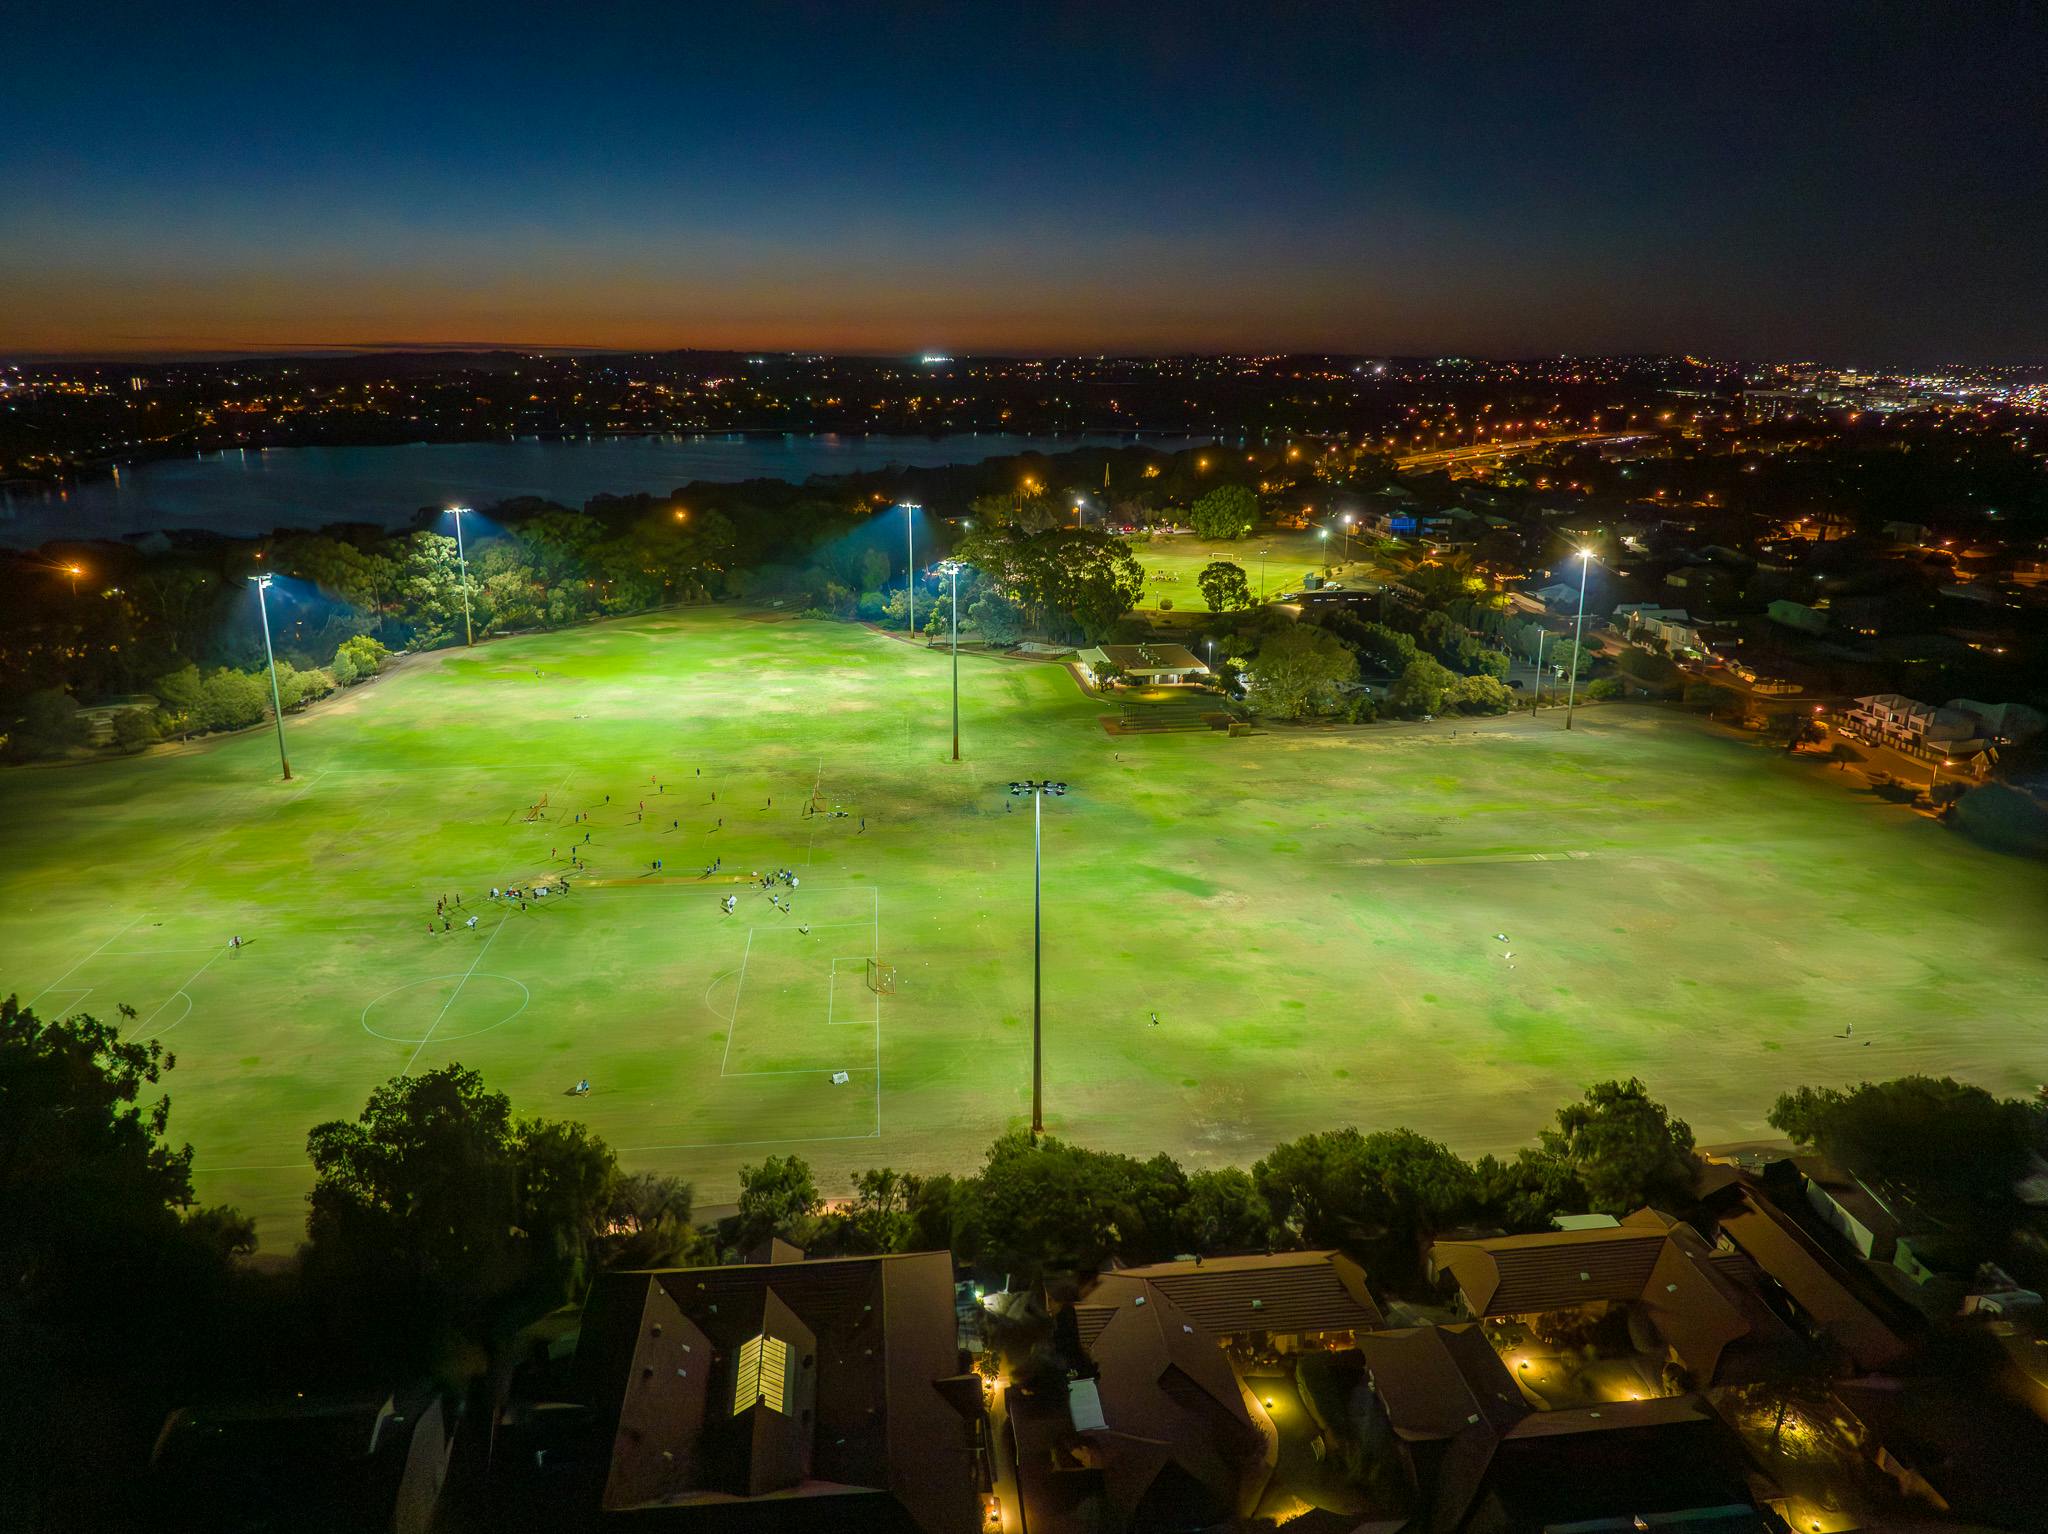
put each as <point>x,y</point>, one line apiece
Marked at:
<point>1800,1280</point>
<point>1797,615</point>
<point>1669,625</point>
<point>1154,1430</point>
<point>1696,1306</point>
<point>1282,1301</point>
<point>790,1395</point>
<point>371,1462</point>
<point>1481,1456</point>
<point>1892,719</point>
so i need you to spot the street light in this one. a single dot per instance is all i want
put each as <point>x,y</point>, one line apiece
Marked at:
<point>461,559</point>
<point>910,509</point>
<point>1349,522</point>
<point>74,571</point>
<point>276,702</point>
<point>951,570</point>
<point>1578,631</point>
<point>1541,636</point>
<point>1037,790</point>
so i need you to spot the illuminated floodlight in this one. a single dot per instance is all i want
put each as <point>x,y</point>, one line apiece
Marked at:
<point>462,563</point>
<point>262,584</point>
<point>1038,789</point>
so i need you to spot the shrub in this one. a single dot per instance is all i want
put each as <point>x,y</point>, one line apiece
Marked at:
<point>134,729</point>
<point>230,699</point>
<point>1166,604</point>
<point>365,658</point>
<point>49,726</point>
<point>1605,687</point>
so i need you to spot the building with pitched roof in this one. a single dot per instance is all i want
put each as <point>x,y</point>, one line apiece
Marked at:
<point>789,1395</point>
<point>1156,1432</point>
<point>1480,1456</point>
<point>1702,1305</point>
<point>1282,1300</point>
<point>1159,665</point>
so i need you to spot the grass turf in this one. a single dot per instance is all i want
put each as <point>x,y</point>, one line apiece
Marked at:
<point>1312,915</point>
<point>1173,564</point>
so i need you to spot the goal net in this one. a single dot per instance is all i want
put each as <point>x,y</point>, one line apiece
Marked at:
<point>881,978</point>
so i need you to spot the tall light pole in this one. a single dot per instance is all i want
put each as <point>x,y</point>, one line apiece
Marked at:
<point>276,702</point>
<point>910,510</point>
<point>1571,696</point>
<point>1541,636</point>
<point>462,561</point>
<point>74,571</point>
<point>1037,790</point>
<point>1349,522</point>
<point>951,570</point>
<point>1323,537</point>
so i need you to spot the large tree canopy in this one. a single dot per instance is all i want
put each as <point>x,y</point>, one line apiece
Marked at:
<point>1228,511</point>
<point>1298,672</point>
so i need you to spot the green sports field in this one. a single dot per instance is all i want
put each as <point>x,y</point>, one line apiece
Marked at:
<point>1173,562</point>
<point>1312,916</point>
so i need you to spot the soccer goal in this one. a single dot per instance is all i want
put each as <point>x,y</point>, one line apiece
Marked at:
<point>881,978</point>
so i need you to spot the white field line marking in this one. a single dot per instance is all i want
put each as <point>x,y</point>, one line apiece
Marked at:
<point>39,995</point>
<point>1454,859</point>
<point>180,991</point>
<point>832,996</point>
<point>473,963</point>
<point>808,1070</point>
<point>738,991</point>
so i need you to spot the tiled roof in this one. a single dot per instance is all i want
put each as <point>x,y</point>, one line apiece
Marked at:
<point>1552,1270</point>
<point>1437,1381</point>
<point>1285,1292</point>
<point>1781,1250</point>
<point>658,1353</point>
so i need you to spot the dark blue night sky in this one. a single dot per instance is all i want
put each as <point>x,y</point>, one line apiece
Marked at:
<point>1861,182</point>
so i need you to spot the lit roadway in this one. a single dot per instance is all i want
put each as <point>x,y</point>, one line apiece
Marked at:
<point>1440,457</point>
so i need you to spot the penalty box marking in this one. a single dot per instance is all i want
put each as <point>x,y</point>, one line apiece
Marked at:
<point>739,993</point>
<point>832,994</point>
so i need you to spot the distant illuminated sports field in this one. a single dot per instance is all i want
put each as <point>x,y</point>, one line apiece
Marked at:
<point>1317,918</point>
<point>1174,563</point>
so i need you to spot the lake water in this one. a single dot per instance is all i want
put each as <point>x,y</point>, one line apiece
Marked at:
<point>256,490</point>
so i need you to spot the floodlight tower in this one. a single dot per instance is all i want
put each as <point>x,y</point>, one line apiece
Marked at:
<point>910,511</point>
<point>276,702</point>
<point>1571,696</point>
<point>462,560</point>
<point>951,570</point>
<point>1037,790</point>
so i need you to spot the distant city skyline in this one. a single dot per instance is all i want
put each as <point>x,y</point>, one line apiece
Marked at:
<point>1843,183</point>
